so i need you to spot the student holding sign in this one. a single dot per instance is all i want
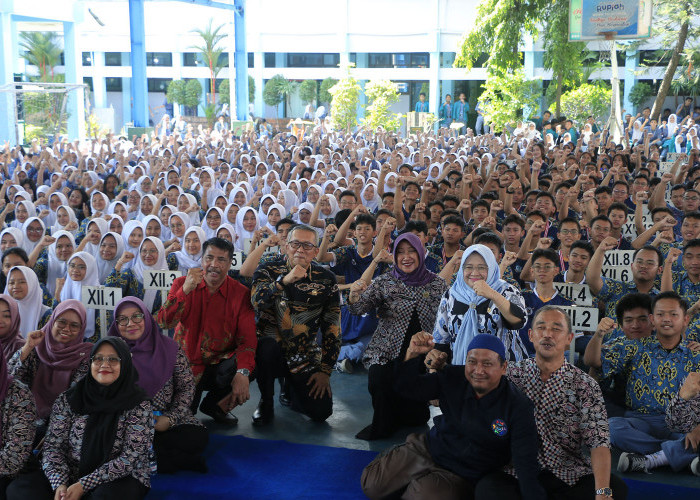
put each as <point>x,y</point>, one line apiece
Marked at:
<point>646,265</point>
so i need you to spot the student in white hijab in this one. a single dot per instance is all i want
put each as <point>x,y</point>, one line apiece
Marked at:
<point>132,236</point>
<point>152,226</point>
<point>56,199</point>
<point>187,203</point>
<point>23,286</point>
<point>57,267</point>
<point>191,253</point>
<point>33,231</point>
<point>273,218</point>
<point>99,203</point>
<point>179,222</point>
<point>265,203</point>
<point>24,210</point>
<point>148,201</point>
<point>64,216</point>
<point>227,232</point>
<point>82,271</point>
<point>288,199</point>
<point>11,237</point>
<point>212,221</point>
<point>111,250</point>
<point>94,232</point>
<point>247,223</point>
<point>370,198</point>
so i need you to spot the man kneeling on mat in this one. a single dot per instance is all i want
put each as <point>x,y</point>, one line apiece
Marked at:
<point>486,423</point>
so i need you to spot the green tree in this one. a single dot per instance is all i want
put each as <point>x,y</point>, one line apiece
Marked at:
<point>176,92</point>
<point>307,90</point>
<point>324,94</point>
<point>673,23</point>
<point>381,94</point>
<point>639,93</point>
<point>251,89</point>
<point>277,89</point>
<point>225,91</point>
<point>508,97</point>
<point>345,98</point>
<point>193,94</point>
<point>587,100</point>
<point>42,50</point>
<point>211,52</point>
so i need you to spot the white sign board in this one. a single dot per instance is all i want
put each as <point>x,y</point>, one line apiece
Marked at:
<point>236,261</point>
<point>619,273</point>
<point>583,319</point>
<point>159,280</point>
<point>103,299</point>
<point>618,258</point>
<point>579,293</point>
<point>672,156</point>
<point>665,166</point>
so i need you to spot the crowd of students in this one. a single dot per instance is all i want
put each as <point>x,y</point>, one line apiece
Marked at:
<point>456,236</point>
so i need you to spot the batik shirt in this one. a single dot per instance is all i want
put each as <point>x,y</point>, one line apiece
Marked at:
<point>569,413</point>
<point>612,292</point>
<point>173,400</point>
<point>130,454</point>
<point>682,415</point>
<point>653,374</point>
<point>18,415</point>
<point>684,287</point>
<point>295,314</point>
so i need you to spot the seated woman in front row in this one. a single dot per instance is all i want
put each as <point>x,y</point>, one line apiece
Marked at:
<point>99,436</point>
<point>166,376</point>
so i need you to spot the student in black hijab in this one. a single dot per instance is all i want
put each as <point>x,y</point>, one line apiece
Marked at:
<point>99,437</point>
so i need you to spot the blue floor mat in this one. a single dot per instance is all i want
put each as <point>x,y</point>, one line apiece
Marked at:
<point>256,469</point>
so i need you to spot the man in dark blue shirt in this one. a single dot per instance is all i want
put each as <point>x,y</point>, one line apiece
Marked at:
<point>485,424</point>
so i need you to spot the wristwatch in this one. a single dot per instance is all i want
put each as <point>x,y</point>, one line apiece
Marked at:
<point>604,491</point>
<point>244,371</point>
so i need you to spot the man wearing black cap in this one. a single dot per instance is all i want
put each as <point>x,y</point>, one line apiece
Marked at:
<point>485,424</point>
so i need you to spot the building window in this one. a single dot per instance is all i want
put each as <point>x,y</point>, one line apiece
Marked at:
<point>447,59</point>
<point>113,84</point>
<point>301,60</point>
<point>88,80</point>
<point>251,60</point>
<point>158,84</point>
<point>87,59</point>
<point>113,58</point>
<point>191,59</point>
<point>159,59</point>
<point>223,60</point>
<point>269,59</point>
<point>654,57</point>
<point>399,60</point>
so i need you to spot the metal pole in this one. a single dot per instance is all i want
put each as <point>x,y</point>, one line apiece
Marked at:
<point>139,84</point>
<point>241,62</point>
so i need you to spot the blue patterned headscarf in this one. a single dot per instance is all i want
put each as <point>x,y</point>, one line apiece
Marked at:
<point>465,294</point>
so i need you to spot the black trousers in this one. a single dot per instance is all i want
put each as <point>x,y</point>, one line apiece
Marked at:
<point>391,410</point>
<point>502,486</point>
<point>217,380</point>
<point>270,365</point>
<point>181,448</point>
<point>35,486</point>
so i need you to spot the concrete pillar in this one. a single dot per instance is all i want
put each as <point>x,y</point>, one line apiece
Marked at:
<point>631,60</point>
<point>241,63</point>
<point>74,74</point>
<point>99,86</point>
<point>139,84</point>
<point>177,75</point>
<point>7,113</point>
<point>259,63</point>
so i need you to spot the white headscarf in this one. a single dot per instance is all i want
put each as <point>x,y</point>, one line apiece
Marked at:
<point>193,216</point>
<point>103,226</point>
<point>146,220</point>
<point>185,220</point>
<point>28,244</point>
<point>283,214</point>
<point>126,232</point>
<point>242,233</point>
<point>50,219</point>
<point>187,261</point>
<point>375,202</point>
<point>672,126</point>
<point>31,212</point>
<point>74,289</point>
<point>31,308</point>
<point>16,233</point>
<point>209,232</point>
<point>262,216</point>
<point>71,218</point>
<point>228,227</point>
<point>105,267</point>
<point>57,268</point>
<point>149,296</point>
<point>104,197</point>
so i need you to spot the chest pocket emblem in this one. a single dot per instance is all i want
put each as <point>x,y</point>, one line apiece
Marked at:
<point>499,427</point>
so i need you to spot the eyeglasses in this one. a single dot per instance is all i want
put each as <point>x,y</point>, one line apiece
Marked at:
<point>177,226</point>
<point>569,231</point>
<point>645,263</point>
<point>34,230</point>
<point>110,360</point>
<point>149,252</point>
<point>124,320</point>
<point>301,244</point>
<point>543,268</point>
<point>77,267</point>
<point>619,191</point>
<point>480,269</point>
<point>691,198</point>
<point>72,326</point>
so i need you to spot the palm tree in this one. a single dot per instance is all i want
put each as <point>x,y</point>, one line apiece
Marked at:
<point>41,50</point>
<point>211,53</point>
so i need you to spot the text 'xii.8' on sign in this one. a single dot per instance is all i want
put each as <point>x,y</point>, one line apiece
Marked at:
<point>101,297</point>
<point>618,258</point>
<point>159,280</point>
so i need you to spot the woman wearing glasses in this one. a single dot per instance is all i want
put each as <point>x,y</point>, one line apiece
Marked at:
<point>150,256</point>
<point>166,376</point>
<point>82,271</point>
<point>54,357</point>
<point>479,301</point>
<point>99,436</point>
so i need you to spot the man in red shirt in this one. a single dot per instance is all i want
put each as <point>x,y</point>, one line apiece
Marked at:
<point>215,326</point>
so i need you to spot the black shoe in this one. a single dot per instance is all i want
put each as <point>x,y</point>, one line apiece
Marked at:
<point>264,413</point>
<point>369,433</point>
<point>284,398</point>
<point>219,416</point>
